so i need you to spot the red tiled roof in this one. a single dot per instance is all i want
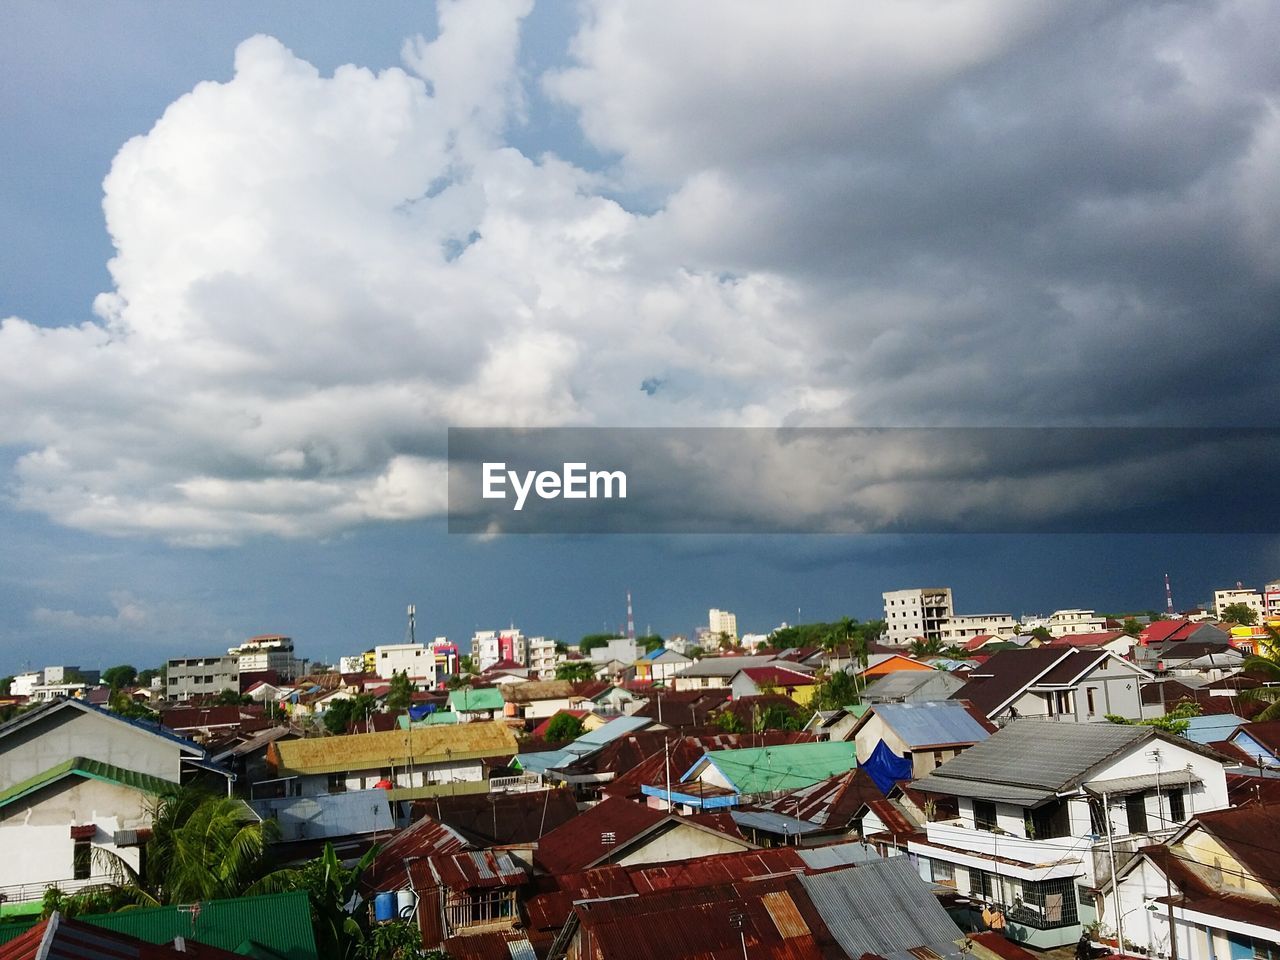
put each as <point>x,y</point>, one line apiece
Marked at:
<point>190,718</point>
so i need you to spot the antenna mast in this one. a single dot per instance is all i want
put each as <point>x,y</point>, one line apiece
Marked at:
<point>1168,596</point>
<point>411,633</point>
<point>631,621</point>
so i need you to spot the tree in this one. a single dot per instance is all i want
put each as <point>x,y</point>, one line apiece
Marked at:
<point>651,643</point>
<point>331,889</point>
<point>397,940</point>
<point>400,696</point>
<point>1042,633</point>
<point>1175,721</point>
<point>121,703</point>
<point>202,847</point>
<point>340,713</point>
<point>694,653</point>
<point>564,726</point>
<point>146,676</point>
<point>576,670</point>
<point>930,647</point>
<point>778,716</point>
<point>1240,613</point>
<point>728,721</point>
<point>467,665</point>
<point>838,690</point>
<point>1132,627</point>
<point>231,698</point>
<point>124,675</point>
<point>5,684</point>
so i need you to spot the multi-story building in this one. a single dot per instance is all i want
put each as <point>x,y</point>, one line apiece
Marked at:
<point>543,657</point>
<point>1041,813</point>
<point>492,646</point>
<point>411,659</point>
<point>447,657</point>
<point>1250,598</point>
<point>24,684</point>
<point>918,612</point>
<point>1271,600</point>
<point>268,652</point>
<point>61,675</point>
<point>187,677</point>
<point>722,623</point>
<point>963,627</point>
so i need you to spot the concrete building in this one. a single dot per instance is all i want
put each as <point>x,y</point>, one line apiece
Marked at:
<point>619,648</point>
<point>411,659</point>
<point>75,779</point>
<point>61,675</point>
<point>1250,598</point>
<point>187,677</point>
<point>24,684</point>
<point>354,664</point>
<point>543,658</point>
<point>722,623</point>
<point>918,612</point>
<point>1271,600</point>
<point>493,646</point>
<point>268,651</point>
<point>964,627</point>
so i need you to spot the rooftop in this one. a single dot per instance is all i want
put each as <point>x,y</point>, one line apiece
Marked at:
<point>933,724</point>
<point>366,751</point>
<point>755,770</point>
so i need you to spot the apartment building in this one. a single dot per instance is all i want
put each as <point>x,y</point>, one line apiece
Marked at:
<point>493,646</point>
<point>543,658</point>
<point>187,677</point>
<point>918,612</point>
<point>964,627</point>
<point>411,659</point>
<point>722,623</point>
<point>268,651</point>
<point>1250,598</point>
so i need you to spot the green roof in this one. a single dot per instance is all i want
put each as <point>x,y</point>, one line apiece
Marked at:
<point>91,769</point>
<point>466,700</point>
<point>767,769</point>
<point>276,926</point>
<point>430,720</point>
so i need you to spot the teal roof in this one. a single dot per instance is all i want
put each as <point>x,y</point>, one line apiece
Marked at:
<point>755,770</point>
<point>91,770</point>
<point>430,720</point>
<point>467,700</point>
<point>272,927</point>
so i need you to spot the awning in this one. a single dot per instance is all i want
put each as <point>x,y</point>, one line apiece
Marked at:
<point>84,832</point>
<point>983,790</point>
<point>1145,781</point>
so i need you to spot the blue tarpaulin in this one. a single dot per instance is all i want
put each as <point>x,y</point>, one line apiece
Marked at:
<point>886,768</point>
<point>417,713</point>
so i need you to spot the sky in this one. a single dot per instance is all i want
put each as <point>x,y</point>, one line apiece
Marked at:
<point>261,256</point>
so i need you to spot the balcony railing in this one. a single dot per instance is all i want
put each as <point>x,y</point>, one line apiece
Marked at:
<point>31,892</point>
<point>522,783</point>
<point>1007,846</point>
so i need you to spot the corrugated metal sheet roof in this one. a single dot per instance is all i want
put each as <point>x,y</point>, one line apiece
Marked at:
<point>770,769</point>
<point>615,728</point>
<point>88,769</point>
<point>904,683</point>
<point>468,700</point>
<point>469,870</point>
<point>367,751</point>
<point>419,840</point>
<point>770,822</point>
<point>61,939</point>
<point>935,724</point>
<point>882,908</point>
<point>838,855</point>
<point>1030,760</point>
<point>331,815</point>
<point>1211,728</point>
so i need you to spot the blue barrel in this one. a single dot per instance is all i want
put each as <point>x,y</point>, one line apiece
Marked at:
<point>384,907</point>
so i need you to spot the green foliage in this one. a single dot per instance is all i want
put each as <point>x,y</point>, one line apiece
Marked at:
<point>5,684</point>
<point>778,716</point>
<point>121,703</point>
<point>467,665</point>
<point>931,647</point>
<point>146,676</point>
<point>1042,633</point>
<point>1266,663</point>
<point>397,940</point>
<point>728,722</point>
<point>651,642</point>
<point>694,653</point>
<point>1240,613</point>
<point>838,690</point>
<point>231,698</point>
<point>340,713</point>
<point>564,726</point>
<point>1132,627</point>
<point>593,640</point>
<point>576,670</point>
<point>846,631</point>
<point>123,675</point>
<point>331,888</point>
<point>1174,721</point>
<point>400,696</point>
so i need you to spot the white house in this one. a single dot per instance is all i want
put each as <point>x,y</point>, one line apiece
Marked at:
<point>1042,810</point>
<point>411,659</point>
<point>74,779</point>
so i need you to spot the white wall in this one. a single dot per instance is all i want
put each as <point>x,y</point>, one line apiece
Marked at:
<point>52,740</point>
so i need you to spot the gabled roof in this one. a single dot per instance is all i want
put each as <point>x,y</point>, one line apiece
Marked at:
<point>611,825</point>
<point>87,769</point>
<point>327,816</point>
<point>905,683</point>
<point>500,818</point>
<point>830,803</point>
<point>533,690</point>
<point>1089,639</point>
<point>475,699</point>
<point>59,938</point>
<point>1030,761</point>
<point>54,707</point>
<point>777,675</point>
<point>932,724</point>
<point>1265,734</point>
<point>755,770</point>
<point>423,838</point>
<point>722,666</point>
<point>1007,675</point>
<point>468,870</point>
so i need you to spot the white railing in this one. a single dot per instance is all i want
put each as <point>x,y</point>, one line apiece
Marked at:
<point>985,843</point>
<point>523,783</point>
<point>31,892</point>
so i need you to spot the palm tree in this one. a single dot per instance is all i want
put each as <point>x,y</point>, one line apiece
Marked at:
<point>202,847</point>
<point>1267,663</point>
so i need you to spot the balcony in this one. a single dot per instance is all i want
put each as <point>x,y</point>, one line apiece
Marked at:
<point>521,783</point>
<point>33,892</point>
<point>981,849</point>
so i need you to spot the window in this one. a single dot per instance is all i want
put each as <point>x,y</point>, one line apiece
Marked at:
<point>1088,693</point>
<point>81,860</point>
<point>337,783</point>
<point>937,758</point>
<point>984,815</point>
<point>1135,808</point>
<point>1177,805</point>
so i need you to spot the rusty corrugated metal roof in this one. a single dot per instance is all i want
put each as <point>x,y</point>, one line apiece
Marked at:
<point>469,870</point>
